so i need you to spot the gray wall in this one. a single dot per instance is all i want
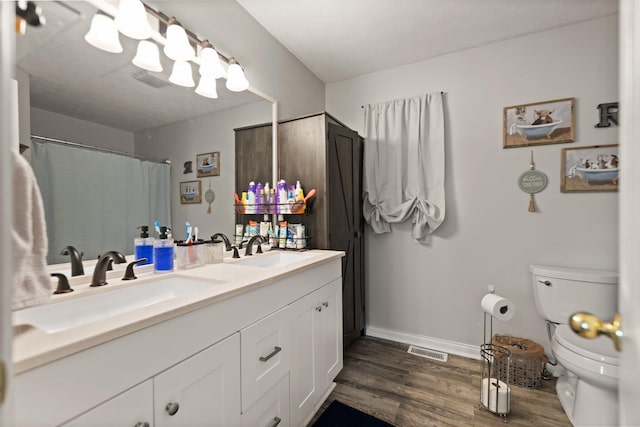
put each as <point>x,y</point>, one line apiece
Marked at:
<point>58,126</point>
<point>431,294</point>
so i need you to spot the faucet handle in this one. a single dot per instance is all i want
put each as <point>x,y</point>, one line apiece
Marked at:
<point>63,284</point>
<point>128,274</point>
<point>235,252</point>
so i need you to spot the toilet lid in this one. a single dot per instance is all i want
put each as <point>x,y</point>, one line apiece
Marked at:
<point>600,348</point>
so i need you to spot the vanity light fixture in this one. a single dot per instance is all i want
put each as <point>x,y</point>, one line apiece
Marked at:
<point>236,81</point>
<point>147,56</point>
<point>132,21</point>
<point>210,64</point>
<point>177,47</point>
<point>182,74</point>
<point>207,87</point>
<point>103,34</point>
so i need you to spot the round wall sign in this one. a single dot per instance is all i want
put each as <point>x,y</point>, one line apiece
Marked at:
<point>532,181</point>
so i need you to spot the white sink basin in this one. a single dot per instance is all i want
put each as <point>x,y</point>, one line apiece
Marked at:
<point>275,259</point>
<point>59,316</point>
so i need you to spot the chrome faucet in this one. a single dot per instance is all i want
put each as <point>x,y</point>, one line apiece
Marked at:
<point>76,260</point>
<point>260,240</point>
<point>99,277</point>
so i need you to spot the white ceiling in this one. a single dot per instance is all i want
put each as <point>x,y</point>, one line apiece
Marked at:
<point>340,39</point>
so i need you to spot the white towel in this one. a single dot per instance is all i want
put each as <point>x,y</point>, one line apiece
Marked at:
<point>32,284</point>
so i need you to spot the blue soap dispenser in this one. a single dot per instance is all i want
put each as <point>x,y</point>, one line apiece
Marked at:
<point>163,252</point>
<point>144,245</point>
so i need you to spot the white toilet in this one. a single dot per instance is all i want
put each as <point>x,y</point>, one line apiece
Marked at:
<point>588,390</point>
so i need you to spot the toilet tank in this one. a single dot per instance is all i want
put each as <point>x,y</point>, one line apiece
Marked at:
<point>561,291</point>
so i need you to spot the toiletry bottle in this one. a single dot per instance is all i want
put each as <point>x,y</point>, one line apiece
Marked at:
<point>163,252</point>
<point>272,201</point>
<point>144,245</point>
<point>251,198</point>
<point>282,198</point>
<point>259,198</point>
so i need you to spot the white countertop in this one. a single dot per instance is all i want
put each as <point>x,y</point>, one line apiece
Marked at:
<point>33,347</point>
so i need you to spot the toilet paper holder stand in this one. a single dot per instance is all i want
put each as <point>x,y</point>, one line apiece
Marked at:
<point>495,392</point>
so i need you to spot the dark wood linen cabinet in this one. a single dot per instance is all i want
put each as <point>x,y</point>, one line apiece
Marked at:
<point>326,155</point>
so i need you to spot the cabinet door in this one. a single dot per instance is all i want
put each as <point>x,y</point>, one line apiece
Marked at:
<point>203,390</point>
<point>272,409</point>
<point>316,348</point>
<point>264,356</point>
<point>344,188</point>
<point>304,349</point>
<point>330,349</point>
<point>133,408</point>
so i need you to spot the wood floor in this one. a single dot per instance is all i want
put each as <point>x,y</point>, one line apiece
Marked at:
<point>380,378</point>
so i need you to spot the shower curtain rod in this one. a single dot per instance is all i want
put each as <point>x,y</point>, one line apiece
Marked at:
<point>104,150</point>
<point>441,93</point>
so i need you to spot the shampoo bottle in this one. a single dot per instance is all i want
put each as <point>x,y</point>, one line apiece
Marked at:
<point>163,252</point>
<point>282,204</point>
<point>144,245</point>
<point>259,198</point>
<point>251,198</point>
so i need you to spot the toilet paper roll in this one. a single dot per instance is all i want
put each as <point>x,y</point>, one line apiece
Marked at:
<point>498,307</point>
<point>496,396</point>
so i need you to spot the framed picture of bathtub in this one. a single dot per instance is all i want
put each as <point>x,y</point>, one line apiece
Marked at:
<point>190,192</point>
<point>592,168</point>
<point>208,164</point>
<point>539,123</point>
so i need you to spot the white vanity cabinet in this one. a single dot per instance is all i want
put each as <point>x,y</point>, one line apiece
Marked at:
<point>316,348</point>
<point>263,356</point>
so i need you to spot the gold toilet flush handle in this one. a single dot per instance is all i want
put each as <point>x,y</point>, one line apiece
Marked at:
<point>588,325</point>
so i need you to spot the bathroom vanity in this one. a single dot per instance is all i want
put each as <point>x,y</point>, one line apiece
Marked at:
<point>260,346</point>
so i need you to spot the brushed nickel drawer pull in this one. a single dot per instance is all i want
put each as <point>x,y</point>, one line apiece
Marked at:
<point>276,421</point>
<point>172,408</point>
<point>275,351</point>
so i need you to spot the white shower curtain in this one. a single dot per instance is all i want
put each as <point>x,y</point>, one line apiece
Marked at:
<point>404,164</point>
<point>94,200</point>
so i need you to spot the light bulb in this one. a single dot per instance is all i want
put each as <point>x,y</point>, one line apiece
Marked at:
<point>207,87</point>
<point>103,34</point>
<point>177,46</point>
<point>132,20</point>
<point>236,81</point>
<point>147,56</point>
<point>182,74</point>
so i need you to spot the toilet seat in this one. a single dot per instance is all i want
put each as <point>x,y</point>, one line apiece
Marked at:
<point>600,349</point>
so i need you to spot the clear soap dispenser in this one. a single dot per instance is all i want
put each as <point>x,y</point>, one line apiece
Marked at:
<point>144,245</point>
<point>163,252</point>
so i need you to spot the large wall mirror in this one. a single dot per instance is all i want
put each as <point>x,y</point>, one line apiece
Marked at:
<point>80,94</point>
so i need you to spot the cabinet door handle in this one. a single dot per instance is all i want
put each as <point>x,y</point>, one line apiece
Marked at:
<point>275,351</point>
<point>326,303</point>
<point>142,424</point>
<point>545,282</point>
<point>172,408</point>
<point>276,421</point>
<point>318,308</point>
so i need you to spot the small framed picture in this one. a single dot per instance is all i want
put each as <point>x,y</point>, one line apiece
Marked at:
<point>190,192</point>
<point>208,164</point>
<point>592,168</point>
<point>539,123</point>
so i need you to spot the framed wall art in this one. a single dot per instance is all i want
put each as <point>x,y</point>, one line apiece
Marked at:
<point>591,168</point>
<point>208,164</point>
<point>190,192</point>
<point>539,123</point>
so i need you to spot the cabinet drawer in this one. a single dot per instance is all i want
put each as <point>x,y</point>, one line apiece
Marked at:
<point>271,409</point>
<point>264,355</point>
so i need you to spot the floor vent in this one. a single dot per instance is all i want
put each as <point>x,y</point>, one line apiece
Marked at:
<point>428,353</point>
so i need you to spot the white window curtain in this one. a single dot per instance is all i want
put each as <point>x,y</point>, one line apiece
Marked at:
<point>94,200</point>
<point>404,164</point>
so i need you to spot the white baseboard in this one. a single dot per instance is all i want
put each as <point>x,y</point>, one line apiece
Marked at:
<point>451,347</point>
